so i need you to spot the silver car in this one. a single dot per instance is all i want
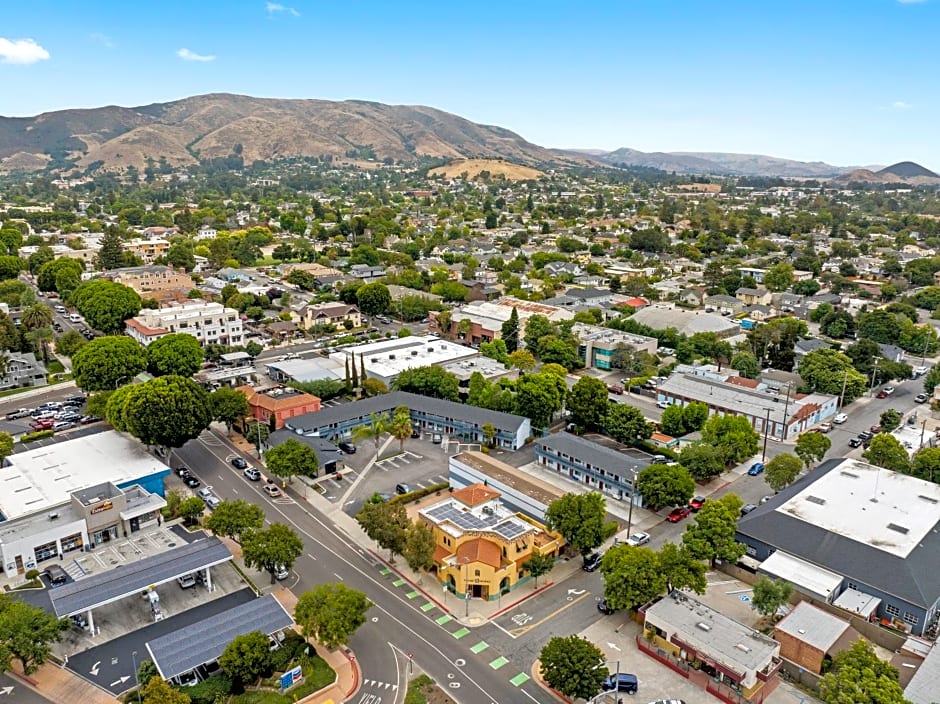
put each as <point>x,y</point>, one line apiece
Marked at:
<point>639,538</point>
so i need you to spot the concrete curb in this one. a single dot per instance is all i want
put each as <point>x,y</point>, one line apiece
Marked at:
<point>536,671</point>
<point>516,603</point>
<point>353,663</point>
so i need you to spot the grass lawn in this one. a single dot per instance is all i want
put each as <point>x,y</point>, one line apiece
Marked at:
<point>317,675</point>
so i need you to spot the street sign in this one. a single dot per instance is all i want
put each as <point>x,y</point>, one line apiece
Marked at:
<point>287,679</point>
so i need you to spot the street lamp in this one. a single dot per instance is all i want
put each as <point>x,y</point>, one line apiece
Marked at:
<point>136,679</point>
<point>616,690</point>
<point>632,499</point>
<point>466,587</point>
<point>118,381</point>
<point>766,430</point>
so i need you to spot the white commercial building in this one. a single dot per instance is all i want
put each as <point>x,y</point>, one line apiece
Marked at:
<point>386,359</point>
<point>208,322</point>
<point>74,495</point>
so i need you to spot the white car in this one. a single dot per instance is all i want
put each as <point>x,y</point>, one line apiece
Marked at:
<point>888,390</point>
<point>639,538</point>
<point>840,419</point>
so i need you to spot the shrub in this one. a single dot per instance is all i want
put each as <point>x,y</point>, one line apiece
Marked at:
<point>38,435</point>
<point>419,493</point>
<point>211,690</point>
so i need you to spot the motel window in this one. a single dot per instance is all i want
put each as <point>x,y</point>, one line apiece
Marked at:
<point>910,618</point>
<point>892,610</point>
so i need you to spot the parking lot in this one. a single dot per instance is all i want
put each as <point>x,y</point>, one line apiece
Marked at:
<point>423,464</point>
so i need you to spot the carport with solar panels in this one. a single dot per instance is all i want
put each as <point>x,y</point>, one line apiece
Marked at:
<point>203,642</point>
<point>84,595</point>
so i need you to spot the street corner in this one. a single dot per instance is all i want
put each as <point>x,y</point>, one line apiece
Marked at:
<point>556,608</point>
<point>536,673</point>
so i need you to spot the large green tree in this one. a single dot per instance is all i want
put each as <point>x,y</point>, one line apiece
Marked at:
<point>711,537</point>
<point>539,397</point>
<point>626,424</point>
<point>292,458</point>
<point>46,278</point>
<point>374,299</point>
<point>859,676</point>
<point>111,254</point>
<point>159,691</point>
<point>106,305</point>
<point>665,485</point>
<point>581,520</point>
<point>573,666</point>
<point>428,381</point>
<point>27,632</point>
<point>829,371</point>
<point>106,362</point>
<point>510,331</point>
<point>681,569</point>
<point>69,342</point>
<point>419,547</point>
<point>167,411</point>
<point>387,524</point>
<point>926,464</point>
<point>228,406</point>
<point>812,447</point>
<point>632,576</point>
<point>247,657</point>
<point>587,400</point>
<point>178,354</point>
<point>331,613</point>
<point>770,594</point>
<point>703,461</point>
<point>234,518</point>
<point>782,470</point>
<point>271,548</point>
<point>888,452</point>
<point>733,436</point>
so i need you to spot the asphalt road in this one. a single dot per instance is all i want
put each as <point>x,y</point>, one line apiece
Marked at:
<point>401,622</point>
<point>12,691</point>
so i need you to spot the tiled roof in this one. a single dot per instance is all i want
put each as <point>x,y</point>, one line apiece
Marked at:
<point>475,494</point>
<point>480,550</point>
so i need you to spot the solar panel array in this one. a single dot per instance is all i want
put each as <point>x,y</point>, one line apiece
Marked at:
<point>206,640</point>
<point>506,527</point>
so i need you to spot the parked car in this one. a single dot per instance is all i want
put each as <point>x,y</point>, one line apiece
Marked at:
<point>272,490</point>
<point>437,438</point>
<point>187,581</point>
<point>239,463</point>
<point>281,572</point>
<point>866,435</point>
<point>622,682</point>
<point>875,429</point>
<point>87,420</point>
<point>592,562</point>
<point>824,427</point>
<point>61,425</point>
<point>205,493</point>
<point>697,502</point>
<point>76,399</point>
<point>347,447</point>
<point>888,390</point>
<point>213,502</point>
<point>921,398</point>
<point>747,508</point>
<point>840,418</point>
<point>604,607</point>
<point>756,468</point>
<point>639,538</point>
<point>855,442</point>
<point>18,413</point>
<point>678,513</point>
<point>882,394</point>
<point>765,499</point>
<point>615,389</point>
<point>252,473</point>
<point>42,424</point>
<point>191,481</point>
<point>415,432</point>
<point>403,488</point>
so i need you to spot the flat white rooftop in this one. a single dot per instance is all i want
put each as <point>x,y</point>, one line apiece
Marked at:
<point>42,478</point>
<point>388,358</point>
<point>889,511</point>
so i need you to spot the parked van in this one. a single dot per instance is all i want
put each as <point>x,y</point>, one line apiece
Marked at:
<point>56,575</point>
<point>75,318</point>
<point>624,682</point>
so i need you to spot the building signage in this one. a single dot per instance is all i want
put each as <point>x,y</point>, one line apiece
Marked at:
<point>106,506</point>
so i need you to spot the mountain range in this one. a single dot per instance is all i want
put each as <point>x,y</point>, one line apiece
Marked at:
<point>221,125</point>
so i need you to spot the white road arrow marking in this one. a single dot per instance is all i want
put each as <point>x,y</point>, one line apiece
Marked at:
<point>576,592</point>
<point>94,669</point>
<point>6,690</point>
<point>613,646</point>
<point>122,680</point>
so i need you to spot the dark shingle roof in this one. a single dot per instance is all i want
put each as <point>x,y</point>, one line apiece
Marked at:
<point>204,641</point>
<point>387,403</point>
<point>592,453</point>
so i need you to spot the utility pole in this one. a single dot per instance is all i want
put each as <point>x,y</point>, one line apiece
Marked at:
<point>845,380</point>
<point>766,430</point>
<point>632,497</point>
<point>786,407</point>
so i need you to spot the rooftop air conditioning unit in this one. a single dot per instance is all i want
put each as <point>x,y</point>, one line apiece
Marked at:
<point>414,353</point>
<point>391,356</point>
<point>53,516</point>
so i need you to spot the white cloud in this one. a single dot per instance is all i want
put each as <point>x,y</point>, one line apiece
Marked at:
<point>273,7</point>
<point>187,55</point>
<point>21,51</point>
<point>102,39</point>
<point>901,105</point>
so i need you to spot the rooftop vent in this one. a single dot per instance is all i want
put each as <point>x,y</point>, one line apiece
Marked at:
<point>54,515</point>
<point>850,475</point>
<point>414,353</point>
<point>816,500</point>
<point>391,356</point>
<point>743,648</point>
<point>927,498</point>
<point>703,626</point>
<point>898,529</point>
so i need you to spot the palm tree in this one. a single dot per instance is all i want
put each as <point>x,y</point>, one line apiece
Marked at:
<point>37,316</point>
<point>400,427</point>
<point>377,427</point>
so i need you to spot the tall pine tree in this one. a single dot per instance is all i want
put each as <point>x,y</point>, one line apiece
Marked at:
<point>111,254</point>
<point>510,331</point>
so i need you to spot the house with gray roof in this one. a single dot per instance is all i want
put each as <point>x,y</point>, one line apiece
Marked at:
<point>856,536</point>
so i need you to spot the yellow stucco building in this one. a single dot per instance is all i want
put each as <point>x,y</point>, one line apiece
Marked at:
<point>481,545</point>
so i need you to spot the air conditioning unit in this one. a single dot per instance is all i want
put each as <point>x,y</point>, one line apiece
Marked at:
<point>53,516</point>
<point>391,356</point>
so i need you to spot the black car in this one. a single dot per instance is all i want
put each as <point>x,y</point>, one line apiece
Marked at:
<point>604,607</point>
<point>592,562</point>
<point>180,471</point>
<point>191,481</point>
<point>347,447</point>
<point>86,420</point>
<point>239,463</point>
<point>415,432</point>
<point>77,400</point>
<point>855,442</point>
<point>866,435</point>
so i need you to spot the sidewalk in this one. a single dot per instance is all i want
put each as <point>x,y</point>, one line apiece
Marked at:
<point>61,686</point>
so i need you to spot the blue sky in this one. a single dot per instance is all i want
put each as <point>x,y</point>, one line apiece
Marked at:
<point>843,81</point>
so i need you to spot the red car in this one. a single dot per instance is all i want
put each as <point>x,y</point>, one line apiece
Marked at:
<point>678,513</point>
<point>42,424</point>
<point>696,503</point>
<point>881,394</point>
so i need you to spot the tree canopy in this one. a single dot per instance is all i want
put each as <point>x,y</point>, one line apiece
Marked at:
<point>580,518</point>
<point>782,470</point>
<point>292,458</point>
<point>573,666</point>
<point>235,518</point>
<point>665,485</point>
<point>386,523</point>
<point>106,362</point>
<point>27,632</point>
<point>428,381</point>
<point>331,613</point>
<point>812,447</point>
<point>711,537</point>
<point>105,305</point>
<point>888,452</point>
<point>167,411</point>
<point>858,676</point>
<point>178,354</point>
<point>587,401</point>
<point>277,546</point>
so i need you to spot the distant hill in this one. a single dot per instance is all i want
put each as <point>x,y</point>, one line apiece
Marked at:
<point>720,163</point>
<point>222,125</point>
<point>474,167</point>
<point>902,173</point>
